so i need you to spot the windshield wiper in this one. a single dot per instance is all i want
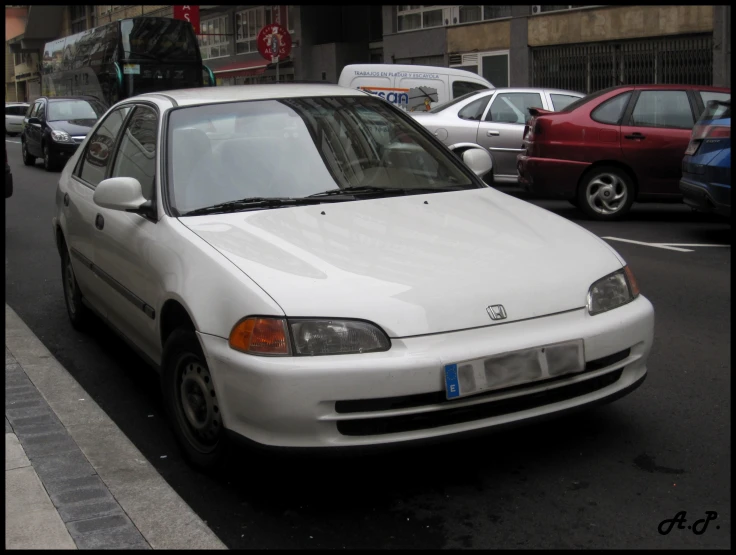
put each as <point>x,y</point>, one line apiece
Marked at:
<point>358,190</point>
<point>254,203</point>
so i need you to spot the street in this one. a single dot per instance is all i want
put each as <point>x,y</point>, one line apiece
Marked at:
<point>605,478</point>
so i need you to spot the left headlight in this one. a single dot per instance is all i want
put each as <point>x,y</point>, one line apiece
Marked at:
<point>61,136</point>
<point>612,291</point>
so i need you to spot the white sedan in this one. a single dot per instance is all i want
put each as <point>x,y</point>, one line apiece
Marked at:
<point>307,266</point>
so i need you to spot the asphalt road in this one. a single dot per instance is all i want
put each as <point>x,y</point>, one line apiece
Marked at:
<point>603,478</point>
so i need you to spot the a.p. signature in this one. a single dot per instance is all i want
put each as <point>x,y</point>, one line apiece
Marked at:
<point>698,527</point>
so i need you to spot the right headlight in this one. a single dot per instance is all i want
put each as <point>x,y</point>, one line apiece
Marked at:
<point>310,336</point>
<point>612,291</point>
<point>61,136</point>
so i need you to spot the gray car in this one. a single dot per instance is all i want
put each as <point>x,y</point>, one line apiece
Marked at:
<point>493,119</point>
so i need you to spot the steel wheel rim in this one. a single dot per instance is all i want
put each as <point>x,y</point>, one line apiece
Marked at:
<point>606,193</point>
<point>69,274</point>
<point>197,404</point>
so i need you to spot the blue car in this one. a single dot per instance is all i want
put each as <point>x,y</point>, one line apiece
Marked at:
<point>706,168</point>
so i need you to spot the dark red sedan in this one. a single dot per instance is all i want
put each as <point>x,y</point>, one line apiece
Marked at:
<point>613,147</point>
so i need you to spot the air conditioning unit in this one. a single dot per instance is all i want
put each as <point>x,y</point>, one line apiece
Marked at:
<point>536,10</point>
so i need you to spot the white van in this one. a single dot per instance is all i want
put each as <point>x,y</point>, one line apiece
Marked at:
<point>413,88</point>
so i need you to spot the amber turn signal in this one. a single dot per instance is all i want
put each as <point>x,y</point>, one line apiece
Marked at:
<point>632,281</point>
<point>260,336</point>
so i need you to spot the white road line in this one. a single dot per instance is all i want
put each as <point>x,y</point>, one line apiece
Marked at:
<point>9,141</point>
<point>655,245</point>
<point>690,245</point>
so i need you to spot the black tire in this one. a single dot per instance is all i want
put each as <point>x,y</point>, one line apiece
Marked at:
<point>490,179</point>
<point>605,193</point>
<point>76,310</point>
<point>49,160</point>
<point>28,160</point>
<point>191,403</point>
<point>574,202</point>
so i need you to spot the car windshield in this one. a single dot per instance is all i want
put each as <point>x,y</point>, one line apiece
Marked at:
<point>60,110</point>
<point>454,101</point>
<point>297,147</point>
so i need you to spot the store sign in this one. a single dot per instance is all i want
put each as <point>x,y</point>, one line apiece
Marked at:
<point>274,42</point>
<point>190,14</point>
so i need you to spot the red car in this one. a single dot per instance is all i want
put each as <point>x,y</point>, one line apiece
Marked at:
<point>613,147</point>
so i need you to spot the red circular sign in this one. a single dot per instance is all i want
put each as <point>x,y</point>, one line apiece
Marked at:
<point>274,41</point>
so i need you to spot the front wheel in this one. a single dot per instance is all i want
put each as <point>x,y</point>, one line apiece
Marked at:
<point>75,308</point>
<point>28,160</point>
<point>191,401</point>
<point>605,193</point>
<point>49,161</point>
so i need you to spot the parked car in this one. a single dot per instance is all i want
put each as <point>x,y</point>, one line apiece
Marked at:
<point>613,147</point>
<point>55,126</point>
<point>309,267</point>
<point>14,114</point>
<point>495,120</point>
<point>706,168</point>
<point>412,88</point>
<point>8,177</point>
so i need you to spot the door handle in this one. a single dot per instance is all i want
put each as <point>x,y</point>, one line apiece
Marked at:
<point>66,199</point>
<point>99,221</point>
<point>493,133</point>
<point>634,136</point>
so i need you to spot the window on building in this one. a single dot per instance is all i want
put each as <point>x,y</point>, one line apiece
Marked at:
<point>419,17</point>
<point>496,12</point>
<point>214,41</point>
<point>248,23</point>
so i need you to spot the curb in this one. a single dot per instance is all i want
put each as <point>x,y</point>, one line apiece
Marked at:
<point>100,483</point>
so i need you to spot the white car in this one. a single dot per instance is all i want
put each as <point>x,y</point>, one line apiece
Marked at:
<point>15,112</point>
<point>308,267</point>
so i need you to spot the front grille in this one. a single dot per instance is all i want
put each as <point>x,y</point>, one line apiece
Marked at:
<point>423,421</point>
<point>437,397</point>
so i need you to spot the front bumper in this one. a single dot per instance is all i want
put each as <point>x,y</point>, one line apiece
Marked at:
<point>548,176</point>
<point>707,197</point>
<point>398,395</point>
<point>62,151</point>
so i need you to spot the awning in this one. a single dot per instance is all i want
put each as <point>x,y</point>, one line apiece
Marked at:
<point>241,69</point>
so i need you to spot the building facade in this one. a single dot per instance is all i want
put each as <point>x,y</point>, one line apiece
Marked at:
<point>582,48</point>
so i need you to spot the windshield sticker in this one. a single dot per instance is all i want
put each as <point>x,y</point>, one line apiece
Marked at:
<point>132,69</point>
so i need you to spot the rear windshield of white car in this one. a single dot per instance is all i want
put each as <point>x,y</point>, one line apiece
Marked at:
<point>297,147</point>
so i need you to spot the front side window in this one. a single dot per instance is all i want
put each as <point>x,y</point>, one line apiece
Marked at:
<point>41,112</point>
<point>65,110</point>
<point>513,107</point>
<point>663,109</point>
<point>298,147</point>
<point>612,110</point>
<point>98,151</point>
<point>460,88</point>
<point>136,156</point>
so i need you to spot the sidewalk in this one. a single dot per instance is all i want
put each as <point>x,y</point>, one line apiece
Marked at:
<point>73,480</point>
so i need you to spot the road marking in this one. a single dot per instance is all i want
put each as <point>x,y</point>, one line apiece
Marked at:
<point>9,141</point>
<point>655,245</point>
<point>666,246</point>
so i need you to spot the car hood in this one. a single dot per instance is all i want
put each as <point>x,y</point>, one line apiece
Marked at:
<point>414,264</point>
<point>75,127</point>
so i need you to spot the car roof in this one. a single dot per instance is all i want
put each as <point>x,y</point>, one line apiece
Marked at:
<point>680,87</point>
<point>216,95</point>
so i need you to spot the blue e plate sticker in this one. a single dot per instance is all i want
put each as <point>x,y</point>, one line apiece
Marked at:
<point>451,382</point>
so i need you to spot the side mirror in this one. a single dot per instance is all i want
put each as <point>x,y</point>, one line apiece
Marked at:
<point>477,158</point>
<point>122,193</point>
<point>34,121</point>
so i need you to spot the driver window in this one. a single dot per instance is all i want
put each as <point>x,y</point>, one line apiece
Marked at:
<point>136,156</point>
<point>513,107</point>
<point>96,158</point>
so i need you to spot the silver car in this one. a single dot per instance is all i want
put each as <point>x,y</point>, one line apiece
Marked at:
<point>493,119</point>
<point>14,114</point>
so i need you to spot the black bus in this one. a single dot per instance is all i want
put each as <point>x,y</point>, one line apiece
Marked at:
<point>123,59</point>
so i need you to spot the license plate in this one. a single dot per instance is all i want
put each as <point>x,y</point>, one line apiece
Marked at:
<point>509,369</point>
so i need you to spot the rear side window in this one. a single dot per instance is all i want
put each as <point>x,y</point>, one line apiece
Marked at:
<point>460,88</point>
<point>669,109</point>
<point>707,96</point>
<point>474,110</point>
<point>99,148</point>
<point>561,101</point>
<point>612,110</point>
